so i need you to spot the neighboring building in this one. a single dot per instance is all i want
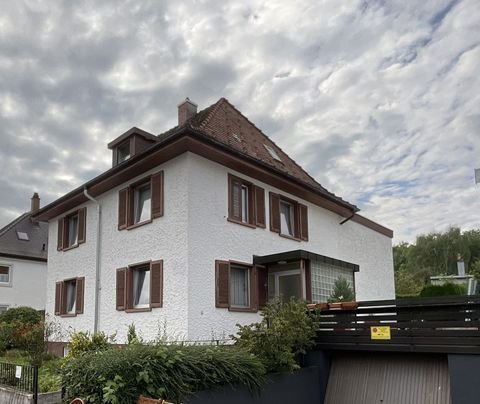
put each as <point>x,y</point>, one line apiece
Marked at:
<point>193,230</point>
<point>23,261</point>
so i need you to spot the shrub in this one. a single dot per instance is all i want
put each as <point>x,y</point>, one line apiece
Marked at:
<point>24,315</point>
<point>447,289</point>
<point>120,375</point>
<point>342,292</point>
<point>83,342</point>
<point>286,330</point>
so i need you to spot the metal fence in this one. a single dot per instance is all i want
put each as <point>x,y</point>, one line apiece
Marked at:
<point>23,378</point>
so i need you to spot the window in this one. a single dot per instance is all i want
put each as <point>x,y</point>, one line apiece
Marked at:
<point>285,284</point>
<point>246,202</point>
<point>21,235</point>
<point>72,230</point>
<point>272,152</point>
<point>236,286</point>
<point>239,286</point>
<point>140,286</point>
<point>5,275</point>
<point>141,202</point>
<point>123,152</point>
<point>288,217</point>
<point>323,279</point>
<point>69,297</point>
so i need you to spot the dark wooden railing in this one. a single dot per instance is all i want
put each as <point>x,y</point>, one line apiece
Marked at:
<point>448,325</point>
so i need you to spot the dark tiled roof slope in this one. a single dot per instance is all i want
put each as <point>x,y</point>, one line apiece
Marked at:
<point>35,247</point>
<point>227,125</point>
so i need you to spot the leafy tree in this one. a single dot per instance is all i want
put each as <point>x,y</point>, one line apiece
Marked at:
<point>342,292</point>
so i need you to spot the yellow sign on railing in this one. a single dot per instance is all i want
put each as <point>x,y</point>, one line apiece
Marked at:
<point>380,332</point>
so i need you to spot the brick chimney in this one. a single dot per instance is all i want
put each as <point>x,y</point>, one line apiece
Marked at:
<point>186,110</point>
<point>35,206</point>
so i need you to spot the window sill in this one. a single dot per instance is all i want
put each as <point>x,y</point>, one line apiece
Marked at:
<point>242,309</point>
<point>289,237</point>
<point>6,284</point>
<point>138,310</point>
<point>139,224</point>
<point>252,226</point>
<point>71,247</point>
<point>68,315</point>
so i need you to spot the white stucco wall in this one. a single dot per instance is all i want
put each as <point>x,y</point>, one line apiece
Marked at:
<point>192,234</point>
<point>212,237</point>
<point>27,286</point>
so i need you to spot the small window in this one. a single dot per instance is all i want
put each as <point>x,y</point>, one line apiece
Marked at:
<point>3,308</point>
<point>123,152</point>
<point>72,231</point>
<point>272,152</point>
<point>244,217</point>
<point>239,286</point>
<point>4,275</point>
<point>246,202</point>
<point>141,286</point>
<point>70,296</point>
<point>22,236</point>
<point>142,203</point>
<point>286,218</point>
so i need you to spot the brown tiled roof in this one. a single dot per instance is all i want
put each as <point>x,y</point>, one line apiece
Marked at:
<point>227,125</point>
<point>34,248</point>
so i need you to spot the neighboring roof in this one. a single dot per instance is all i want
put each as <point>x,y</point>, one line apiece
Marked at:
<point>129,132</point>
<point>36,246</point>
<point>222,126</point>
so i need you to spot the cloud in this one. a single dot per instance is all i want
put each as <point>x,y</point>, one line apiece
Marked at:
<point>378,100</point>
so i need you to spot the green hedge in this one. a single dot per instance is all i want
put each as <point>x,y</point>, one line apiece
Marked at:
<point>120,375</point>
<point>447,289</point>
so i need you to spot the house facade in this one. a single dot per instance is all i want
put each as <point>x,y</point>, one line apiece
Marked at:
<point>23,261</point>
<point>193,231</point>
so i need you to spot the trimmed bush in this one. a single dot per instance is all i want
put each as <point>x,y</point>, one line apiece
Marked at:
<point>120,375</point>
<point>24,315</point>
<point>285,332</point>
<point>447,289</point>
<point>83,342</point>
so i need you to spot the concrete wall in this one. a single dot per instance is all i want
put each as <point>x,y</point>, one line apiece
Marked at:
<point>192,234</point>
<point>12,396</point>
<point>27,286</point>
<point>212,237</point>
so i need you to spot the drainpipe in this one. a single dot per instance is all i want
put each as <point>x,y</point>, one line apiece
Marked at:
<point>97,259</point>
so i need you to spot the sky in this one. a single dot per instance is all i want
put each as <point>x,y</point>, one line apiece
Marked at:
<point>378,100</point>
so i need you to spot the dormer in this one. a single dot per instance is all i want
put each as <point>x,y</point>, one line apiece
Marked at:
<point>130,143</point>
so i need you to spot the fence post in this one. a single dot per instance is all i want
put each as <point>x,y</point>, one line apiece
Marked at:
<point>35,385</point>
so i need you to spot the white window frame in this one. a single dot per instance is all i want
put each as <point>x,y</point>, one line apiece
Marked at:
<point>135,270</point>
<point>291,207</point>
<point>248,291</point>
<point>137,216</point>
<point>10,275</point>
<point>67,227</point>
<point>68,284</point>
<point>244,192</point>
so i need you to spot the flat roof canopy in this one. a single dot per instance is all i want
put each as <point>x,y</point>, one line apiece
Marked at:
<point>296,255</point>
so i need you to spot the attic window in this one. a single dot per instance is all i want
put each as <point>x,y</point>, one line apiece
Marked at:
<point>22,236</point>
<point>123,152</point>
<point>236,137</point>
<point>272,152</point>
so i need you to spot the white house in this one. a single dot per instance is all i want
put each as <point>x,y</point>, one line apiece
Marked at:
<point>192,231</point>
<point>23,261</point>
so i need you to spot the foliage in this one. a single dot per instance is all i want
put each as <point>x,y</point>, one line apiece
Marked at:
<point>83,342</point>
<point>120,375</point>
<point>434,254</point>
<point>132,337</point>
<point>49,378</point>
<point>342,291</point>
<point>24,315</point>
<point>286,330</point>
<point>447,289</point>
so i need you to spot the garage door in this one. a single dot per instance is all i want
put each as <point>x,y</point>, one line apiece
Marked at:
<point>388,379</point>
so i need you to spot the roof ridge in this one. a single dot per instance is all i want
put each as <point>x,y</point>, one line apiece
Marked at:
<point>10,225</point>
<point>214,107</point>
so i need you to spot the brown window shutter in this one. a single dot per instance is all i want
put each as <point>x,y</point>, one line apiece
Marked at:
<point>121,288</point>
<point>262,285</point>
<point>129,288</point>
<point>82,225</point>
<point>58,298</point>
<point>253,289</point>
<point>308,281</point>
<point>296,221</point>
<point>157,194</point>
<point>122,208</point>
<point>63,299</point>
<point>303,210</point>
<point>234,198</point>
<point>222,283</point>
<point>80,295</point>
<point>60,234</point>
<point>259,206</point>
<point>156,284</point>
<point>274,212</point>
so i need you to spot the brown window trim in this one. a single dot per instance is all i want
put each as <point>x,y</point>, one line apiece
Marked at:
<point>130,201</point>
<point>256,210</point>
<point>300,217</point>
<point>61,303</point>
<point>128,296</point>
<point>252,289</point>
<point>62,237</point>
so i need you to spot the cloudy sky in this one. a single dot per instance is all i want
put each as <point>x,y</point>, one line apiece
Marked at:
<point>378,100</point>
